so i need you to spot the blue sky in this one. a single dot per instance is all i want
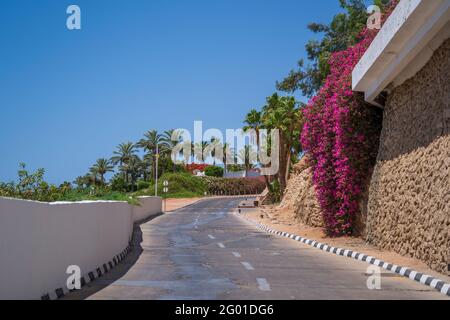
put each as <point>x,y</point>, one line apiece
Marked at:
<point>69,97</point>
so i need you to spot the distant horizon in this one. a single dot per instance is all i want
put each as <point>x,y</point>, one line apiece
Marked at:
<point>70,97</point>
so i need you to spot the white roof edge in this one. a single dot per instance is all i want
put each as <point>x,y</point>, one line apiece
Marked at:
<point>405,37</point>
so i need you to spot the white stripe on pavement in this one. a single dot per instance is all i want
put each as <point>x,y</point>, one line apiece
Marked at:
<point>220,244</point>
<point>247,266</point>
<point>236,254</point>
<point>211,237</point>
<point>263,285</point>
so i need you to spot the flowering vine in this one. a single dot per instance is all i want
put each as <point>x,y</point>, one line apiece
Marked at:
<point>341,134</point>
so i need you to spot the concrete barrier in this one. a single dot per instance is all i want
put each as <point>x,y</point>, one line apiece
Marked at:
<point>38,241</point>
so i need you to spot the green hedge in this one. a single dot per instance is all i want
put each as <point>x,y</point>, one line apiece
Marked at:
<point>213,171</point>
<point>181,185</point>
<point>234,186</point>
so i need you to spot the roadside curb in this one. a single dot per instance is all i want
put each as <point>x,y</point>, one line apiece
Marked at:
<point>89,277</point>
<point>427,280</point>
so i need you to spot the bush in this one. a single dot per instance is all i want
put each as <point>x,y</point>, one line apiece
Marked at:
<point>196,166</point>
<point>118,184</point>
<point>213,171</point>
<point>234,186</point>
<point>141,184</point>
<point>99,193</point>
<point>341,134</point>
<point>181,185</point>
<point>179,167</point>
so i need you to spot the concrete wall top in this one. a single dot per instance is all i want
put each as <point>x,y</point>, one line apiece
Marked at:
<point>39,240</point>
<point>407,40</point>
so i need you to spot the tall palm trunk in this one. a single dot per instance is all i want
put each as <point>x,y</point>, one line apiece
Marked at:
<point>289,153</point>
<point>258,146</point>
<point>282,162</point>
<point>288,164</point>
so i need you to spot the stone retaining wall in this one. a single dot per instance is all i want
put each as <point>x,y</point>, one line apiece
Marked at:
<point>409,196</point>
<point>300,196</point>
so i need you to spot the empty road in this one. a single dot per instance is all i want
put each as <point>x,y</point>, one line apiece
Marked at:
<point>206,252</point>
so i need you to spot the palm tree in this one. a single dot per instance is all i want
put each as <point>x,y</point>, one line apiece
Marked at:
<point>187,145</point>
<point>248,157</point>
<point>134,168</point>
<point>253,121</point>
<point>123,153</point>
<point>101,167</point>
<point>282,113</point>
<point>214,146</point>
<point>227,155</point>
<point>170,140</point>
<point>151,143</point>
<point>93,173</point>
<point>80,182</point>
<point>200,149</point>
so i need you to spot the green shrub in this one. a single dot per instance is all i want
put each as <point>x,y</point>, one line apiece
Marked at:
<point>213,171</point>
<point>180,168</point>
<point>234,186</point>
<point>275,191</point>
<point>118,184</point>
<point>141,184</point>
<point>181,185</point>
<point>101,193</point>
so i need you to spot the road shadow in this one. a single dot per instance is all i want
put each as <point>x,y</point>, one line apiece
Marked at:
<point>118,271</point>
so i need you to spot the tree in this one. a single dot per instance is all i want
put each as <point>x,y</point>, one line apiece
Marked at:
<point>214,146</point>
<point>283,113</point>
<point>253,121</point>
<point>101,167</point>
<point>123,153</point>
<point>248,157</point>
<point>134,169</point>
<point>82,181</point>
<point>170,140</point>
<point>342,32</point>
<point>227,155</point>
<point>29,183</point>
<point>200,151</point>
<point>93,175</point>
<point>151,143</point>
<point>189,156</point>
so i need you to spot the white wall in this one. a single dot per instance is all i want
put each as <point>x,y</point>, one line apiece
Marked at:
<point>405,43</point>
<point>38,241</point>
<point>149,206</point>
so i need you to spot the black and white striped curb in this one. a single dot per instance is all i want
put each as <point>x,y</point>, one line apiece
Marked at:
<point>428,280</point>
<point>91,276</point>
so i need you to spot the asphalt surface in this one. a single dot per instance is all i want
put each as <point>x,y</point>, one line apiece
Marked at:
<point>205,251</point>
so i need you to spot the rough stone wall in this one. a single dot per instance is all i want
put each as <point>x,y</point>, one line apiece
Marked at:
<point>300,196</point>
<point>409,195</point>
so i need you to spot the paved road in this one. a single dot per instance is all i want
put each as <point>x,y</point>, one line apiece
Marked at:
<point>206,252</point>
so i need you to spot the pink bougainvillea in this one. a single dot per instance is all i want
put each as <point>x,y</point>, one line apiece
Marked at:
<point>341,134</point>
